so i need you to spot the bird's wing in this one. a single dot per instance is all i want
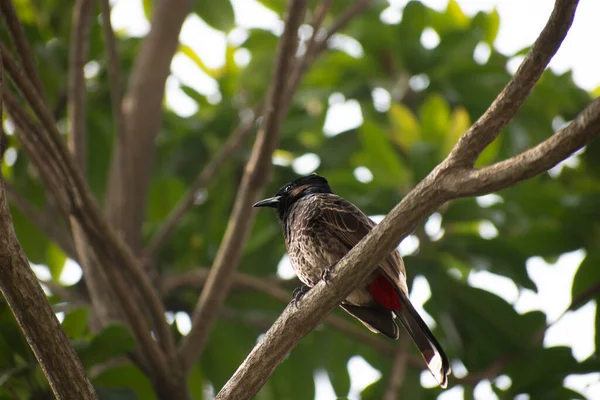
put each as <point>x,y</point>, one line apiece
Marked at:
<point>349,224</point>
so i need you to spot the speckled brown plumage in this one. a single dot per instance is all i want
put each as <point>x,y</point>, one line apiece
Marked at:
<point>319,228</point>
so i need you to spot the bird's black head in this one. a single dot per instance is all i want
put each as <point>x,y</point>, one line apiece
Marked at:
<point>294,190</point>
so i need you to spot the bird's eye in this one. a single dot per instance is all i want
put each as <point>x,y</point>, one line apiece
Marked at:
<point>287,188</point>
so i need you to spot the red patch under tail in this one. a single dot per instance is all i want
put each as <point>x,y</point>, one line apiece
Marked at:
<point>384,293</point>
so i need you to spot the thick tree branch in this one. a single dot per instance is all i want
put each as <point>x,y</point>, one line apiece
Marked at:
<point>114,70</point>
<point>507,103</point>
<point>52,157</point>
<point>233,143</point>
<point>255,177</point>
<point>435,189</point>
<point>534,161</point>
<point>34,314</point>
<point>133,158</point>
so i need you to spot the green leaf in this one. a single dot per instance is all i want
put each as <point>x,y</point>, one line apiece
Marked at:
<point>587,277</point>
<point>126,376</point>
<point>406,128</point>
<point>191,54</point>
<point>379,156</point>
<point>115,340</point>
<point>459,123</point>
<point>116,394</point>
<point>489,23</point>
<point>164,194</point>
<point>75,323</point>
<point>435,118</point>
<point>56,260</point>
<point>218,14</point>
<point>148,8</point>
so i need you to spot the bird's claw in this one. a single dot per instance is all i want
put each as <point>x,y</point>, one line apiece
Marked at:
<point>298,293</point>
<point>326,274</point>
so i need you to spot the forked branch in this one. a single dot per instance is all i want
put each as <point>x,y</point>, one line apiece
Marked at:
<point>444,183</point>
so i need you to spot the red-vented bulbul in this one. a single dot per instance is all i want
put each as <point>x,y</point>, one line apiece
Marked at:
<point>319,228</point>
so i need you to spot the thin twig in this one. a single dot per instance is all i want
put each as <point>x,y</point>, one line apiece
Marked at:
<point>398,371</point>
<point>233,143</point>
<point>114,69</point>
<point>435,189</point>
<point>256,175</point>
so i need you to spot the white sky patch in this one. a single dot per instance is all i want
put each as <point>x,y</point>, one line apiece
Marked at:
<point>128,16</point>
<point>455,393</point>
<point>363,174</point>
<point>323,387</point>
<point>382,99</point>
<point>347,44</point>
<point>581,339</point>
<point>482,53</point>
<point>284,268</point>
<point>497,284</point>
<point>41,271</point>
<point>71,273</point>
<point>252,14</point>
<point>488,200</point>
<point>419,294</point>
<point>554,284</point>
<point>178,101</point>
<point>418,82</point>
<point>170,317</point>
<point>430,39</point>
<point>362,374</point>
<point>60,316</point>
<point>503,382</point>
<point>184,323</point>
<point>409,245</point>
<point>487,230</point>
<point>483,390</point>
<point>306,164</point>
<point>433,226</point>
<point>211,48</point>
<point>458,369</point>
<point>588,384</point>
<point>10,156</point>
<point>342,117</point>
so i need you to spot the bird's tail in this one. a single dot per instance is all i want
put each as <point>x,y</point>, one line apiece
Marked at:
<point>430,349</point>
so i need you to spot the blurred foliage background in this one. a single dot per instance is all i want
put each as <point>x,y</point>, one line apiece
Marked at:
<point>411,102</point>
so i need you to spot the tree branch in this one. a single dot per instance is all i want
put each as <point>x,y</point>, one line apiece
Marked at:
<point>314,48</point>
<point>255,177</point>
<point>507,103</point>
<point>114,70</point>
<point>133,157</point>
<point>54,161</point>
<point>435,189</point>
<point>398,369</point>
<point>34,314</point>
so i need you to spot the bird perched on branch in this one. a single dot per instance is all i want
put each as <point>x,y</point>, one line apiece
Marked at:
<point>319,228</point>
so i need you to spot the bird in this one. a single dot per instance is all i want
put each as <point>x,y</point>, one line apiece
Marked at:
<point>319,228</point>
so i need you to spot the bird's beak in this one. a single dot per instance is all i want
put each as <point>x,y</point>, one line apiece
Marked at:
<point>270,202</point>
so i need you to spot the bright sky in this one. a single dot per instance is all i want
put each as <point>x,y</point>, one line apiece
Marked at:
<point>521,22</point>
